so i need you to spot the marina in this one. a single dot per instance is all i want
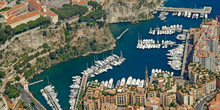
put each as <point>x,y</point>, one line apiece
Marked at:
<point>175,56</point>
<point>151,44</point>
<point>122,82</point>
<point>50,96</point>
<point>74,92</point>
<point>166,30</point>
<point>101,66</point>
<point>136,60</point>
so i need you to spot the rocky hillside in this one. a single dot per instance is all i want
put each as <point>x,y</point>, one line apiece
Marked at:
<point>38,49</point>
<point>129,10</point>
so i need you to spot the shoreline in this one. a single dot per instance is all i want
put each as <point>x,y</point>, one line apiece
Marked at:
<point>58,62</point>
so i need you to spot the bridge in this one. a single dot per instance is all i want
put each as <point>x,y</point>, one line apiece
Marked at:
<point>205,10</point>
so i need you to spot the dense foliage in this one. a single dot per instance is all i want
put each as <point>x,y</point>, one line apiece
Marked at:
<point>31,24</point>
<point>93,16</point>
<point>95,5</point>
<point>11,91</point>
<point>2,74</point>
<point>69,11</point>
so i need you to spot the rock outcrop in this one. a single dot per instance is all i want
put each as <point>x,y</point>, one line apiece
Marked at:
<point>129,10</point>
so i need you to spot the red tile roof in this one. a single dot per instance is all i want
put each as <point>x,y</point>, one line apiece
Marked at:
<point>50,13</point>
<point>36,5</point>
<point>3,2</point>
<point>25,16</point>
<point>16,7</point>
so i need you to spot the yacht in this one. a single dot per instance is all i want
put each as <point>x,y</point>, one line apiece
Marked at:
<point>122,82</point>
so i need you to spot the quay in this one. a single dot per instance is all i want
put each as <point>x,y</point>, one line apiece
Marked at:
<point>185,55</point>
<point>35,82</point>
<point>51,100</point>
<point>205,10</point>
<point>82,87</point>
<point>122,34</point>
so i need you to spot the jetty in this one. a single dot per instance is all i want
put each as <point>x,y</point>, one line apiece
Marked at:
<point>51,100</point>
<point>122,33</point>
<point>82,88</point>
<point>205,10</point>
<point>35,82</point>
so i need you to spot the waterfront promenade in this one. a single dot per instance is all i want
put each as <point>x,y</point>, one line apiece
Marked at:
<point>205,10</point>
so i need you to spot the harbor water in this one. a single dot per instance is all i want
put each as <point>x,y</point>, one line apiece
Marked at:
<point>60,75</point>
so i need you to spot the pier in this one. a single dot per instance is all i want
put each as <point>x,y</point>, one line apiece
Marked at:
<point>205,10</point>
<point>122,33</point>
<point>83,86</point>
<point>185,55</point>
<point>36,82</point>
<point>51,100</point>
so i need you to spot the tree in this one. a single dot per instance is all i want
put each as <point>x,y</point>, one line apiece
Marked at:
<point>2,74</point>
<point>28,65</point>
<point>45,45</point>
<point>52,55</point>
<point>1,56</point>
<point>44,33</point>
<point>17,78</point>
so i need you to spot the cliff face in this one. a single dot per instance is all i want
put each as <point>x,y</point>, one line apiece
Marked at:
<point>129,10</point>
<point>30,47</point>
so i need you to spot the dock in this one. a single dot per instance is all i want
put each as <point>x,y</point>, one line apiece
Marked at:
<point>205,10</point>
<point>35,82</point>
<point>122,34</point>
<point>185,55</point>
<point>51,100</point>
<point>82,87</point>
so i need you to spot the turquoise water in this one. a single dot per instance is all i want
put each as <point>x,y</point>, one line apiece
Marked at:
<point>60,75</point>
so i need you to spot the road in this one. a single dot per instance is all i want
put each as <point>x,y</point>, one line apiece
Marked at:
<point>29,98</point>
<point>201,104</point>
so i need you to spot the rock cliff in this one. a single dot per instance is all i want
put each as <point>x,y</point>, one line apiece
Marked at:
<point>129,10</point>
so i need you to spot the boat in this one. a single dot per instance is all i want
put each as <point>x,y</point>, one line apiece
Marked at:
<point>118,83</point>
<point>133,82</point>
<point>181,37</point>
<point>122,82</point>
<point>202,15</point>
<point>106,84</point>
<point>137,82</point>
<point>110,83</point>
<point>129,80</point>
<point>179,14</point>
<point>189,15</point>
<point>206,16</point>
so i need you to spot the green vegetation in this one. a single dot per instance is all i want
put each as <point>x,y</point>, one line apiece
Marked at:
<point>7,32</point>
<point>42,21</point>
<point>68,11</point>
<point>17,78</point>
<point>93,16</point>
<point>2,74</point>
<point>11,91</point>
<point>5,9</point>
<point>18,2</point>
<point>22,103</point>
<point>95,5</point>
<point>172,104</point>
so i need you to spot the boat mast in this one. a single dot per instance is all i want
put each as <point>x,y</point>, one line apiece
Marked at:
<point>121,54</point>
<point>48,82</point>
